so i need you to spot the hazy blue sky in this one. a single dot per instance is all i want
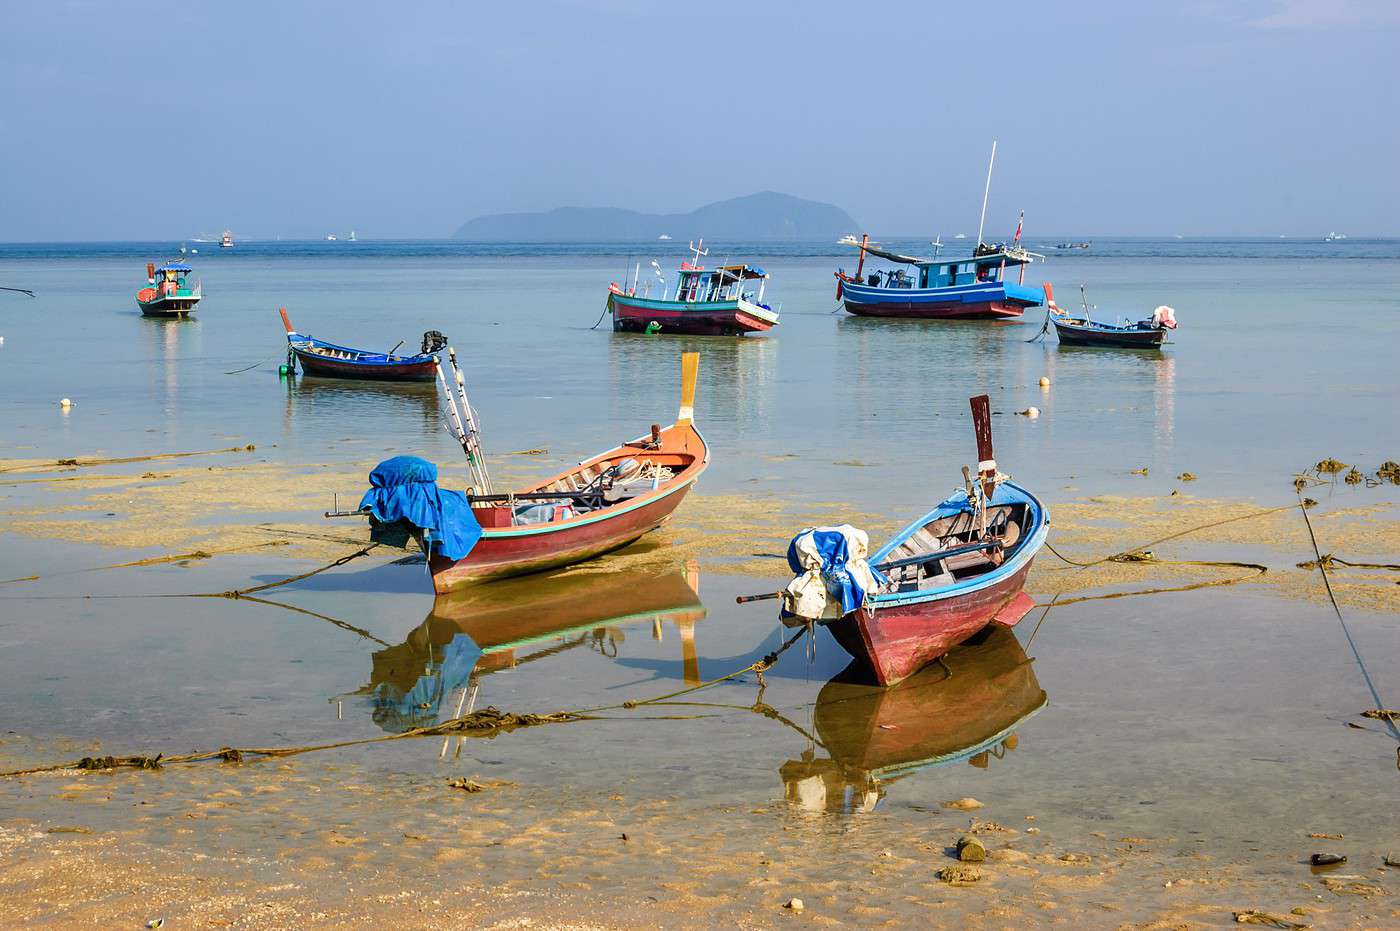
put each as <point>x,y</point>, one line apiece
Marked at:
<point>162,120</point>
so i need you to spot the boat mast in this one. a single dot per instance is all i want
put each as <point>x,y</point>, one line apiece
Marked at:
<point>986,191</point>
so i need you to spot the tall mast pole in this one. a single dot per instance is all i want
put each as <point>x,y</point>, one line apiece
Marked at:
<point>986,191</point>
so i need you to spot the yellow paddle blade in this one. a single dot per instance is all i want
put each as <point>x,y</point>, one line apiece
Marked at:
<point>690,373</point>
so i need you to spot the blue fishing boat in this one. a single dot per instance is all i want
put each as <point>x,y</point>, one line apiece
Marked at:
<point>318,357</point>
<point>1083,331</point>
<point>971,287</point>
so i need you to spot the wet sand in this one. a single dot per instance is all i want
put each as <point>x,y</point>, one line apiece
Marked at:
<point>1191,743</point>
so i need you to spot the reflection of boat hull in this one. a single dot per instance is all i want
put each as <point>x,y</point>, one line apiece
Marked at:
<point>696,318</point>
<point>509,615</point>
<point>875,736</point>
<point>931,717</point>
<point>473,633</point>
<point>1092,333</point>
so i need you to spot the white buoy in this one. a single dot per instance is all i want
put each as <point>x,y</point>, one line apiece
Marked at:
<point>1044,381</point>
<point>65,403</point>
<point>1031,412</point>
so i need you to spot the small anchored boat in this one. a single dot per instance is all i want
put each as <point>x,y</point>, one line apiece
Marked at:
<point>602,504</point>
<point>170,293</point>
<point>318,357</point>
<point>938,582</point>
<point>706,302</point>
<point>1083,331</point>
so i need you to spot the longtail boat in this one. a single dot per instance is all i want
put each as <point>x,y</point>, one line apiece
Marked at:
<point>936,583</point>
<point>707,302</point>
<point>318,357</point>
<point>1083,331</point>
<point>966,288</point>
<point>602,504</point>
<point>875,736</point>
<point>170,293</point>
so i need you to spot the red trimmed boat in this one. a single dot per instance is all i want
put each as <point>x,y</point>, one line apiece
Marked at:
<point>707,302</point>
<point>170,294</point>
<point>938,582</point>
<point>318,357</point>
<point>601,505</point>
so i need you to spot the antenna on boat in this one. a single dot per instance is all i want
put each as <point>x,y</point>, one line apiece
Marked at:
<point>467,433</point>
<point>986,191</point>
<point>699,251</point>
<point>937,245</point>
<point>1084,299</point>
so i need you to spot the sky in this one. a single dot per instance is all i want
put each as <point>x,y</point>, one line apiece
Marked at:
<point>156,120</point>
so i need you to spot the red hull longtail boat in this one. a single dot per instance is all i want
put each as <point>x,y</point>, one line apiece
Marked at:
<point>648,478</point>
<point>948,574</point>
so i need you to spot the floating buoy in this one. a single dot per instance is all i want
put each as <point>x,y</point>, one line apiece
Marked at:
<point>65,403</point>
<point>1031,412</point>
<point>653,327</point>
<point>1044,381</point>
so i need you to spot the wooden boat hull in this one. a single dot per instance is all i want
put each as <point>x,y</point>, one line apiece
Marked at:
<point>696,318</point>
<point>982,301</point>
<point>505,551</point>
<point>895,642</point>
<point>169,306</point>
<point>319,365</point>
<point>1113,337</point>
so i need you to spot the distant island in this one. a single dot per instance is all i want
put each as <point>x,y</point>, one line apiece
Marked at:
<point>764,216</point>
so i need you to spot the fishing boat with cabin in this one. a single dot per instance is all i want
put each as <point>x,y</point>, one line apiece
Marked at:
<point>940,580</point>
<point>935,288</point>
<point>707,301</point>
<point>170,293</point>
<point>328,360</point>
<point>602,504</point>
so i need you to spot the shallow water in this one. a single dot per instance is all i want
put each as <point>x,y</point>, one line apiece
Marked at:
<point>1210,722</point>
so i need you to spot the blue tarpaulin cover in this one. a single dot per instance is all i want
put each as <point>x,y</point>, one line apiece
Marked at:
<point>405,488</point>
<point>833,548</point>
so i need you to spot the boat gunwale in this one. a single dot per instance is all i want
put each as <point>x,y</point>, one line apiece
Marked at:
<point>1026,551</point>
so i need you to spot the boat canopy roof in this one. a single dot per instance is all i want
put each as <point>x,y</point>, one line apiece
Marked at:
<point>175,267</point>
<point>730,272</point>
<point>996,255</point>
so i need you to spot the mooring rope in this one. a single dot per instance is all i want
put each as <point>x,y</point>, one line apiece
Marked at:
<point>1355,651</point>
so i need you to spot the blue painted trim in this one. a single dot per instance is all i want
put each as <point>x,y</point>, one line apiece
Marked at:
<point>1006,493</point>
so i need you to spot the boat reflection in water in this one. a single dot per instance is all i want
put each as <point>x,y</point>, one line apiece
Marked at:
<point>487,628</point>
<point>874,736</point>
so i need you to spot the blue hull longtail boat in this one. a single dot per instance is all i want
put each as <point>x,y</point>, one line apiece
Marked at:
<point>707,302</point>
<point>1083,331</point>
<point>318,357</point>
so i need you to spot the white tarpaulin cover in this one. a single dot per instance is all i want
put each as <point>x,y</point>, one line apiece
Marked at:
<point>833,574</point>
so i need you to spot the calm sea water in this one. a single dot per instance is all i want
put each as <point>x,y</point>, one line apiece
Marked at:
<point>1286,353</point>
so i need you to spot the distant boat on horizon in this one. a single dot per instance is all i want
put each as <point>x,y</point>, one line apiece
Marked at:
<point>663,236</point>
<point>1334,237</point>
<point>960,236</point>
<point>226,240</point>
<point>352,237</point>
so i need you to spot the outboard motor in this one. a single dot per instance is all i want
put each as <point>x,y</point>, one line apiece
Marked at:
<point>433,341</point>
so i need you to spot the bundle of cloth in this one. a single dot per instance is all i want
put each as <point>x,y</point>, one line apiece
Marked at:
<point>405,488</point>
<point>834,577</point>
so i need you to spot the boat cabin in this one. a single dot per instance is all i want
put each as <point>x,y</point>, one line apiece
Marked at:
<point>172,278</point>
<point>724,283</point>
<point>949,273</point>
